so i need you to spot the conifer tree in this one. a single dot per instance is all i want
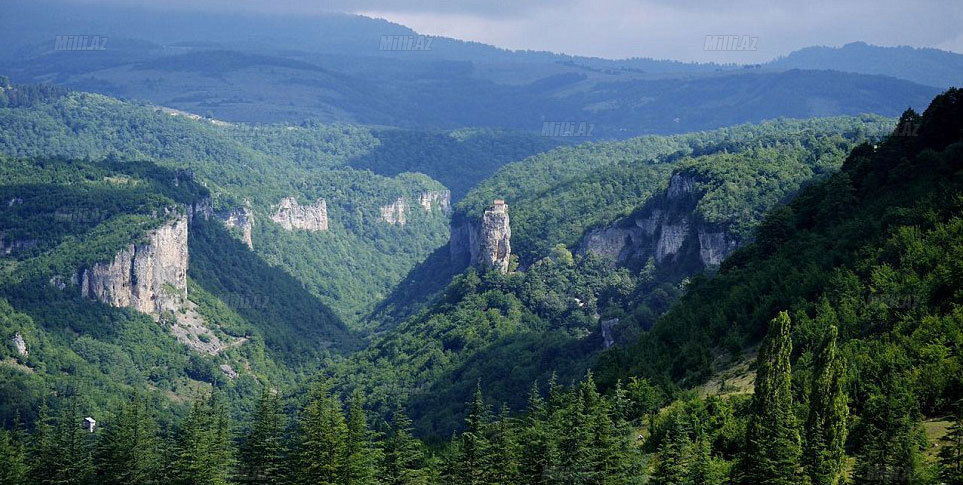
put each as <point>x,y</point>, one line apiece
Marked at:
<point>891,437</point>
<point>323,440</point>
<point>533,439</point>
<point>361,455</point>
<point>403,458</point>
<point>128,449</point>
<point>505,468</point>
<point>263,452</point>
<point>673,463</point>
<point>203,453</point>
<point>823,453</point>
<point>13,456</point>
<point>474,441</point>
<point>772,450</point>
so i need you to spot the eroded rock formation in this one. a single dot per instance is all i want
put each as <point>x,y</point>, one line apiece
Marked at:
<point>150,277</point>
<point>486,242</point>
<point>433,200</point>
<point>242,219</point>
<point>292,215</point>
<point>394,213</point>
<point>667,229</point>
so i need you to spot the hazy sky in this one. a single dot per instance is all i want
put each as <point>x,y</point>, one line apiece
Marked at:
<point>673,29</point>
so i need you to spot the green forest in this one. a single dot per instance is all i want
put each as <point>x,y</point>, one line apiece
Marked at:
<point>825,349</point>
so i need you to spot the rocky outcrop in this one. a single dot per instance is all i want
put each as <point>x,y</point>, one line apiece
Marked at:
<point>667,229</point>
<point>608,338</point>
<point>433,200</point>
<point>394,213</point>
<point>21,345</point>
<point>242,219</point>
<point>150,277</point>
<point>292,215</point>
<point>202,208</point>
<point>486,242</point>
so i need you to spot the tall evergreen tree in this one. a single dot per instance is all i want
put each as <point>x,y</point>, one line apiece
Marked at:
<point>128,450</point>
<point>323,440</point>
<point>823,453</point>
<point>505,468</point>
<point>263,451</point>
<point>475,461</point>
<point>361,454</point>
<point>772,451</point>
<point>203,453</point>
<point>13,456</point>
<point>402,461</point>
<point>674,452</point>
<point>534,439</point>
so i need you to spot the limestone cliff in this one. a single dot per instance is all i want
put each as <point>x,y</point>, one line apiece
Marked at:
<point>242,219</point>
<point>486,242</point>
<point>394,213</point>
<point>668,228</point>
<point>150,277</point>
<point>433,200</point>
<point>292,215</point>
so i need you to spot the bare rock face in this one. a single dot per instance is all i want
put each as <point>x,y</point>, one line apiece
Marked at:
<point>202,208</point>
<point>20,344</point>
<point>667,229</point>
<point>150,277</point>
<point>394,213</point>
<point>241,218</point>
<point>433,200</point>
<point>291,215</point>
<point>486,243</point>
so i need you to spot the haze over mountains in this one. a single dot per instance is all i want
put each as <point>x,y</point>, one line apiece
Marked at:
<point>264,248</point>
<point>334,68</point>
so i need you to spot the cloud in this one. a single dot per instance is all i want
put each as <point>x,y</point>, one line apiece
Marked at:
<point>673,29</point>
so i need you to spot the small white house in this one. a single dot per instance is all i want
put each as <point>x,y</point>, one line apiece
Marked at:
<point>90,424</point>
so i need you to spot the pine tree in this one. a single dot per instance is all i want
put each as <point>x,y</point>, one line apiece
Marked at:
<point>702,470</point>
<point>128,450</point>
<point>534,439</point>
<point>402,457</point>
<point>263,452</point>
<point>72,458</point>
<point>13,456</point>
<point>42,451</point>
<point>505,468</point>
<point>772,450</point>
<point>890,435</point>
<point>361,456</point>
<point>951,453</point>
<point>203,454</point>
<point>323,440</point>
<point>475,463</point>
<point>673,463</point>
<point>823,453</point>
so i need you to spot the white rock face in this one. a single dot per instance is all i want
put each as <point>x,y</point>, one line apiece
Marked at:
<point>291,215</point>
<point>241,218</point>
<point>671,238</point>
<point>15,245</point>
<point>487,243</point>
<point>433,200</point>
<point>20,344</point>
<point>714,247</point>
<point>150,278</point>
<point>394,213</point>
<point>610,242</point>
<point>494,239</point>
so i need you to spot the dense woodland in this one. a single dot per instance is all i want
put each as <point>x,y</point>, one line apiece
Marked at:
<point>841,313</point>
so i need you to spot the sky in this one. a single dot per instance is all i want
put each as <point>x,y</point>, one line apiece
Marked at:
<point>661,29</point>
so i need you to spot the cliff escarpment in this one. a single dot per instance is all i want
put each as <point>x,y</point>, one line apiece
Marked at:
<point>668,229</point>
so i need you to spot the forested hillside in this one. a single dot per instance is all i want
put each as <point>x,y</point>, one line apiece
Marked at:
<point>357,170</point>
<point>847,302</point>
<point>552,313</point>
